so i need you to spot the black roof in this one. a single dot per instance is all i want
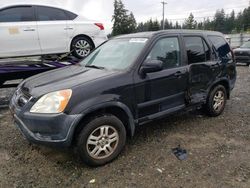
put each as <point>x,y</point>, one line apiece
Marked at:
<point>170,31</point>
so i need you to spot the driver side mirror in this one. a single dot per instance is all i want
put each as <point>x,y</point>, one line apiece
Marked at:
<point>151,66</point>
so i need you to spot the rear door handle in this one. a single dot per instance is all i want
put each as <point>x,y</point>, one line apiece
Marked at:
<point>68,28</point>
<point>29,29</point>
<point>214,67</point>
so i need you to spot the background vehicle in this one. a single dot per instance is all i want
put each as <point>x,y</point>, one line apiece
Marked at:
<point>27,30</point>
<point>242,54</point>
<point>128,81</point>
<point>22,68</point>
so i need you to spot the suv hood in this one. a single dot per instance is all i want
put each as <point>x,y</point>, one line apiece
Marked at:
<point>64,78</point>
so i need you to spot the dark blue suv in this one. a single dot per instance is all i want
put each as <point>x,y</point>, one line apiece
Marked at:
<point>126,82</point>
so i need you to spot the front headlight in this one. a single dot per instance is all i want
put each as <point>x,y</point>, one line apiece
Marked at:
<point>52,103</point>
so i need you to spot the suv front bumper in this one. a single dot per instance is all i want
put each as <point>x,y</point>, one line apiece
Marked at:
<point>242,59</point>
<point>51,130</point>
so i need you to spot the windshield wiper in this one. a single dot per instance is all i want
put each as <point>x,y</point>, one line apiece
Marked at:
<point>95,67</point>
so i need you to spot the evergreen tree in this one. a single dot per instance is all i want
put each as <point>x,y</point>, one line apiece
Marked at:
<point>123,23</point>
<point>177,25</point>
<point>219,21</point>
<point>239,22</point>
<point>131,23</point>
<point>140,27</point>
<point>246,19</point>
<point>156,25</point>
<point>166,24</point>
<point>150,25</point>
<point>231,22</point>
<point>200,25</point>
<point>190,23</point>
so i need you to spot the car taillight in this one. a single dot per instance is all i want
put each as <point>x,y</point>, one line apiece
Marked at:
<point>100,25</point>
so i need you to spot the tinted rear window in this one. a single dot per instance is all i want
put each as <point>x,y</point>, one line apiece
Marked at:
<point>221,46</point>
<point>71,15</point>
<point>197,50</point>
<point>17,14</point>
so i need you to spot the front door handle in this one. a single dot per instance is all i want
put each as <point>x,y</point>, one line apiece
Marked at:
<point>178,74</point>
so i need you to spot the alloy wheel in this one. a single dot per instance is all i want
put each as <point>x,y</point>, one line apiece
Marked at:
<point>82,48</point>
<point>219,100</point>
<point>102,142</point>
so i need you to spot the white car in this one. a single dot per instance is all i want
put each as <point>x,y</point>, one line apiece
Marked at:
<point>27,30</point>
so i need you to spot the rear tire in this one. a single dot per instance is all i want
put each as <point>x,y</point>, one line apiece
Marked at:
<point>81,47</point>
<point>101,140</point>
<point>216,101</point>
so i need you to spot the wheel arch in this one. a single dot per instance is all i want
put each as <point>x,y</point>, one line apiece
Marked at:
<point>82,35</point>
<point>223,82</point>
<point>117,109</point>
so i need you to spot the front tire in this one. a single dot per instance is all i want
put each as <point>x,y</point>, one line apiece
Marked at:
<point>216,101</point>
<point>81,47</point>
<point>101,140</point>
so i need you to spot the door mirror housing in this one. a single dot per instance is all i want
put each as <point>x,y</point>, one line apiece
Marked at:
<point>151,66</point>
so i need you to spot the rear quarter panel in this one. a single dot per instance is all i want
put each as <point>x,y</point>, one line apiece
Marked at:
<point>89,29</point>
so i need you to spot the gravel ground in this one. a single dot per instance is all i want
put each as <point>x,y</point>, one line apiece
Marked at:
<point>218,153</point>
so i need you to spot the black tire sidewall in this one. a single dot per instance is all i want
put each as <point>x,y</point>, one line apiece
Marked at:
<point>210,108</point>
<point>89,128</point>
<point>74,43</point>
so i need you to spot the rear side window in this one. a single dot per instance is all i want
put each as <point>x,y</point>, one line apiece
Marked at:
<point>71,15</point>
<point>167,50</point>
<point>221,46</point>
<point>197,50</point>
<point>50,14</point>
<point>17,14</point>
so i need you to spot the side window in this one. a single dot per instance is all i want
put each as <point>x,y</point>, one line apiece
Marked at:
<point>17,14</point>
<point>50,14</point>
<point>71,15</point>
<point>221,46</point>
<point>197,50</point>
<point>167,50</point>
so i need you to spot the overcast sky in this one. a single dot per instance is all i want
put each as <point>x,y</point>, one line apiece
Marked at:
<point>176,10</point>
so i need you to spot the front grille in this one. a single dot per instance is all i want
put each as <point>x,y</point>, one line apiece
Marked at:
<point>25,92</point>
<point>21,101</point>
<point>22,97</point>
<point>242,53</point>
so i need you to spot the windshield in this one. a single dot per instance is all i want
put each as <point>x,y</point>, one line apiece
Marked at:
<point>246,45</point>
<point>116,54</point>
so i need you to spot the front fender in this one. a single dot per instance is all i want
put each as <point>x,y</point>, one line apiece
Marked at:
<point>95,104</point>
<point>114,104</point>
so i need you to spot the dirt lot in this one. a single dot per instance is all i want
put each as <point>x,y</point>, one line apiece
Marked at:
<point>218,153</point>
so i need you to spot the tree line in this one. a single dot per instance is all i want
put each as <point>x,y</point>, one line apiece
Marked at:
<point>125,22</point>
